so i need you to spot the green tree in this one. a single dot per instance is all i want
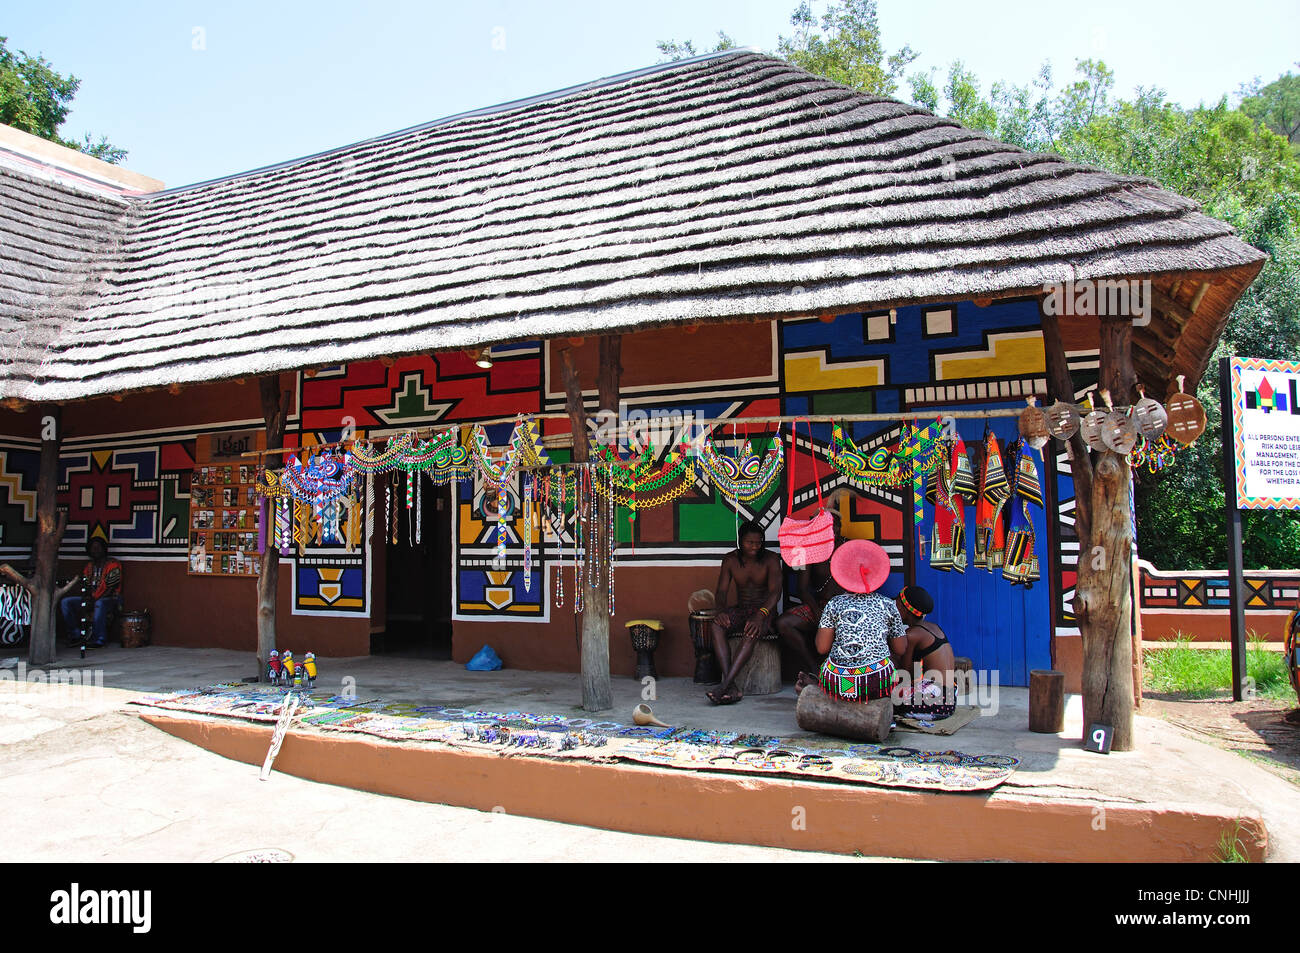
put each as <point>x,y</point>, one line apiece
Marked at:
<point>1275,106</point>
<point>36,99</point>
<point>1239,168</point>
<point>845,46</point>
<point>672,50</point>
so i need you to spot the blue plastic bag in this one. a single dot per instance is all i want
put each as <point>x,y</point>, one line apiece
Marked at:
<point>484,660</point>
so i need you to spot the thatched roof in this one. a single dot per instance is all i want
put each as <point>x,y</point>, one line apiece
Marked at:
<point>727,187</point>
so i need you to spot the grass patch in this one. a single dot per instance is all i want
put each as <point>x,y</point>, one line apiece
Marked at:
<point>1230,848</point>
<point>1178,668</point>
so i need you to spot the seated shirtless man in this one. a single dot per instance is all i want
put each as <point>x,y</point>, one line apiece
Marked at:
<point>928,686</point>
<point>756,575</point>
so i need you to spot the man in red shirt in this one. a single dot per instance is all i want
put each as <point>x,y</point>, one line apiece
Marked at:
<point>103,579</point>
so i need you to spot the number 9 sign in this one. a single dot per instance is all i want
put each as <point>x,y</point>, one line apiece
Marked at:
<point>1098,739</point>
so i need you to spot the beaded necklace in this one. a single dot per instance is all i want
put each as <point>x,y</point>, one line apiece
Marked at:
<point>611,543</point>
<point>529,484</point>
<point>365,459</point>
<point>579,541</point>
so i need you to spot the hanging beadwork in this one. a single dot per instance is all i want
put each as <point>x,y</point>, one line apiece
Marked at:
<point>745,477</point>
<point>879,467</point>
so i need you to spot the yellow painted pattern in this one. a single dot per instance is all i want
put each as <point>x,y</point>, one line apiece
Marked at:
<point>806,371</point>
<point>351,602</point>
<point>13,482</point>
<point>1016,352</point>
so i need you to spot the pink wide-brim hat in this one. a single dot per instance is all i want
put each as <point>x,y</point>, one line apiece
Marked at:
<point>860,565</point>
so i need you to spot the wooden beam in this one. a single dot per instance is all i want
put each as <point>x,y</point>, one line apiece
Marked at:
<point>1199,296</point>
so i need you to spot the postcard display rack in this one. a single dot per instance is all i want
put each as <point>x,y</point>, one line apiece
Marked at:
<point>223,520</point>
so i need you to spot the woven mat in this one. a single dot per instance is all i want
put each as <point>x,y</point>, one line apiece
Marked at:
<point>516,733</point>
<point>960,718</point>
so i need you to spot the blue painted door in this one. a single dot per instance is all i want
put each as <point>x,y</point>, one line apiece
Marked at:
<point>995,624</point>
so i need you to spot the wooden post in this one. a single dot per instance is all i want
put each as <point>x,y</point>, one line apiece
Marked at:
<point>1103,602</point>
<point>50,525</point>
<point>1046,701</point>
<point>275,408</point>
<point>597,691</point>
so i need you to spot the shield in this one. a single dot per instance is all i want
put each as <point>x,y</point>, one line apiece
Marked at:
<point>1119,432</point>
<point>1063,420</point>
<point>1150,418</point>
<point>1091,427</point>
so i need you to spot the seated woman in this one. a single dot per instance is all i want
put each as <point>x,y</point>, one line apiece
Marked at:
<point>861,630</point>
<point>926,684</point>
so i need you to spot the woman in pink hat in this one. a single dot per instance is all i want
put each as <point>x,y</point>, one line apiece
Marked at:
<point>860,630</point>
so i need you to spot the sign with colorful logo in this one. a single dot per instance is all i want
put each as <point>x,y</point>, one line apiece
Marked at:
<point>1266,432</point>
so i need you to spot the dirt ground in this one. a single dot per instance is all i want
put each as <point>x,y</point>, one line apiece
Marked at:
<point>1262,729</point>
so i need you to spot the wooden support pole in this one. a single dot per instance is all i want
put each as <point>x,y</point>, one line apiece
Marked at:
<point>1103,601</point>
<point>275,409</point>
<point>597,691</point>
<point>50,525</point>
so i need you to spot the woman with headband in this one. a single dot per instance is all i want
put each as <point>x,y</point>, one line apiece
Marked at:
<point>926,683</point>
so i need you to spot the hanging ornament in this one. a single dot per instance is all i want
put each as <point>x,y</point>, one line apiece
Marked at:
<point>1186,416</point>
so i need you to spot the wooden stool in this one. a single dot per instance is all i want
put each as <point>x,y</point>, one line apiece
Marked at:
<point>761,675</point>
<point>859,721</point>
<point>1046,701</point>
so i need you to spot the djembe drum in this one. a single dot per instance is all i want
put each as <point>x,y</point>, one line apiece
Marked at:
<point>706,663</point>
<point>645,639</point>
<point>137,628</point>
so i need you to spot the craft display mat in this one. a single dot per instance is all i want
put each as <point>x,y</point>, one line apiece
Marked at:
<point>670,747</point>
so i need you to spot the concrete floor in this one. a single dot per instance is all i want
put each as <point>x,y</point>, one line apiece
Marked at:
<point>85,781</point>
<point>1168,767</point>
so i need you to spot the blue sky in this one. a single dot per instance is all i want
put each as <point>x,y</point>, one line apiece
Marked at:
<point>196,90</point>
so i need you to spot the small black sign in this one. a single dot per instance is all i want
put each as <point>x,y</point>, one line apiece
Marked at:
<point>1098,738</point>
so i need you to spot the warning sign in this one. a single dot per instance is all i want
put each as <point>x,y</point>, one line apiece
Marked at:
<point>1266,432</point>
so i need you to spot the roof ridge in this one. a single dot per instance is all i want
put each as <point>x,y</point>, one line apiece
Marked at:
<point>479,112</point>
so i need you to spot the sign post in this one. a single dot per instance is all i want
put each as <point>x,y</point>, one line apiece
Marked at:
<point>1261,463</point>
<point>1236,611</point>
